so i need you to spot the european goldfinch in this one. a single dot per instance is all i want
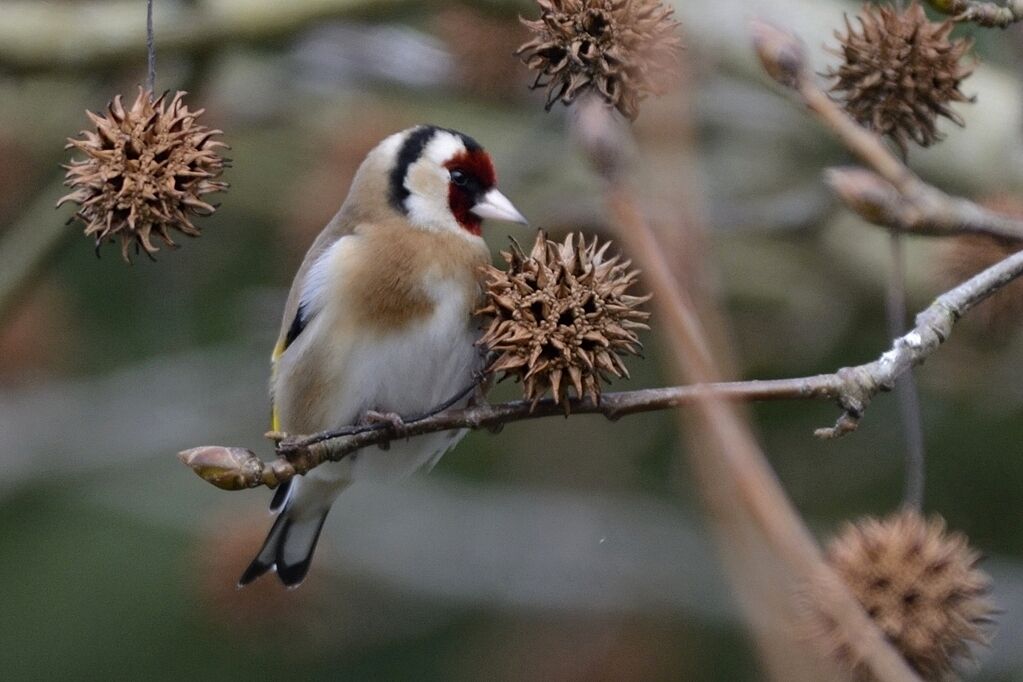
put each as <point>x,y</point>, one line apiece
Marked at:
<point>379,319</point>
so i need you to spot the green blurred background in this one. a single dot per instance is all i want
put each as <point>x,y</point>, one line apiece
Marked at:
<point>557,550</point>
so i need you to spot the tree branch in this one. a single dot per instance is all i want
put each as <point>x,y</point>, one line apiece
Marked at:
<point>895,193</point>
<point>852,387</point>
<point>924,210</point>
<point>238,469</point>
<point>891,195</point>
<point>982,12</point>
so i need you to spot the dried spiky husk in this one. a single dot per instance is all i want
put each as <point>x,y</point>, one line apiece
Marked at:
<point>145,172</point>
<point>921,586</point>
<point>561,317</point>
<point>966,255</point>
<point>900,72</point>
<point>623,49</point>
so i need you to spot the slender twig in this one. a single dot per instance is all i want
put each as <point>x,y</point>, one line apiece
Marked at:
<point>981,12</point>
<point>892,196</point>
<point>923,209</point>
<point>906,392</point>
<point>852,387</point>
<point>889,194</point>
<point>367,426</point>
<point>860,141</point>
<point>303,453</point>
<point>150,49</point>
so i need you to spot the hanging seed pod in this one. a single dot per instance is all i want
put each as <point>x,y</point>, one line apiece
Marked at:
<point>623,49</point>
<point>920,584</point>
<point>900,73</point>
<point>146,171</point>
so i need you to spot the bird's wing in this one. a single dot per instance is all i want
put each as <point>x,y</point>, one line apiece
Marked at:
<point>296,314</point>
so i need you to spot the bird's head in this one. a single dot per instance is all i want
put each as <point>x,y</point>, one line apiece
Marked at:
<point>440,179</point>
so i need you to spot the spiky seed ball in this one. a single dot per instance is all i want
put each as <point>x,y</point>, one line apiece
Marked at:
<point>900,73</point>
<point>920,584</point>
<point>561,317</point>
<point>145,172</point>
<point>624,49</point>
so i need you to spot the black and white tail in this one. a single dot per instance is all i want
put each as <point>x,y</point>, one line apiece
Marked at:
<point>291,542</point>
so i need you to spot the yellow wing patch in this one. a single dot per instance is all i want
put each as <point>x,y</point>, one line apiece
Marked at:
<point>275,422</point>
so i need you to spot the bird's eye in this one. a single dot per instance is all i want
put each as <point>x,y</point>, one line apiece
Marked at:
<point>459,178</point>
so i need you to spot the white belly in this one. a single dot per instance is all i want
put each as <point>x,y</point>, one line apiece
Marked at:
<point>406,372</point>
<point>410,375</point>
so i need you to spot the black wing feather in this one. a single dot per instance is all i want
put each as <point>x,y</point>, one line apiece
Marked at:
<point>297,325</point>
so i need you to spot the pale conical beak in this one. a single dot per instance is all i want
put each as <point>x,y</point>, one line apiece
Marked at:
<point>496,206</point>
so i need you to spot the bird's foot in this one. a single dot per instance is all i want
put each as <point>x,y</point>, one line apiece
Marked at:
<point>482,383</point>
<point>393,420</point>
<point>478,398</point>
<point>275,436</point>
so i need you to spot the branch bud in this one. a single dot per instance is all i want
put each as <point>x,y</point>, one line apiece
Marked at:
<point>781,53</point>
<point>602,137</point>
<point>226,468</point>
<point>865,193</point>
<point>952,7</point>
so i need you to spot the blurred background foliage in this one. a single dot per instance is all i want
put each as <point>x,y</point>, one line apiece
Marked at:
<point>558,550</point>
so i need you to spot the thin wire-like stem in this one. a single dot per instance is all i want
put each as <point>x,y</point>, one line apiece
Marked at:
<point>906,392</point>
<point>150,49</point>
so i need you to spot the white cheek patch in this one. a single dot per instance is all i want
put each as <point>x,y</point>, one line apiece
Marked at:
<point>425,180</point>
<point>428,182</point>
<point>427,203</point>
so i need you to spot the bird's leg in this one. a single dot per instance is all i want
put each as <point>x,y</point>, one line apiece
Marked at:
<point>483,383</point>
<point>392,419</point>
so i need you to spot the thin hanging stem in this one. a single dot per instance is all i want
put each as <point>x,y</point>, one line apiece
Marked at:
<point>150,48</point>
<point>906,393</point>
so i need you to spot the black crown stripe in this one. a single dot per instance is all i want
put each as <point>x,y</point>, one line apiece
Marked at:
<point>409,152</point>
